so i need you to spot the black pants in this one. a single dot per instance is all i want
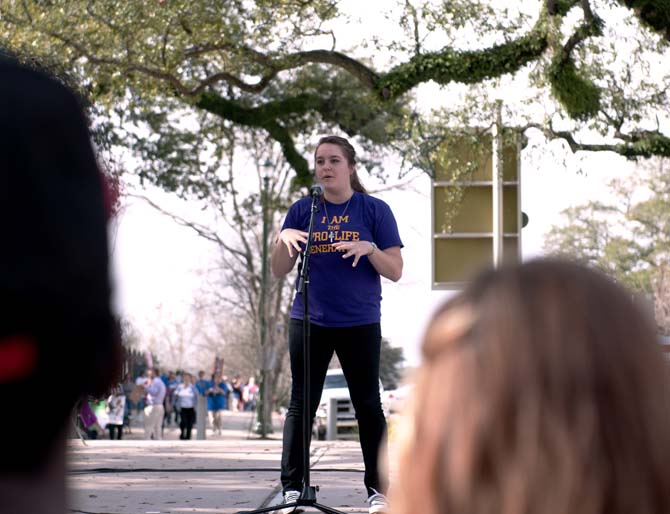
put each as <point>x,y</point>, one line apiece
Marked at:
<point>186,422</point>
<point>358,350</point>
<point>115,428</point>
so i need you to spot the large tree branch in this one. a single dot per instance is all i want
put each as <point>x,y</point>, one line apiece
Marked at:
<point>365,75</point>
<point>445,66</point>
<point>266,117</point>
<point>636,144</point>
<point>129,67</point>
<point>467,67</point>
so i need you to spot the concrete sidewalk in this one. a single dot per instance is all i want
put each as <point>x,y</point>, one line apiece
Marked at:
<point>223,474</point>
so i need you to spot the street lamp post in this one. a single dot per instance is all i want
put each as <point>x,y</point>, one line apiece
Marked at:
<point>262,310</point>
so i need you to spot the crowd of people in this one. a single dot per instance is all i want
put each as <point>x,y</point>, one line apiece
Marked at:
<point>158,401</point>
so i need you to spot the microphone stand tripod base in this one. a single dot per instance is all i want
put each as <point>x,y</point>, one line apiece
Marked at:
<point>307,499</point>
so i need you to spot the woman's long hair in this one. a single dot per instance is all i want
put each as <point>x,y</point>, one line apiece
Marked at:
<point>543,390</point>
<point>350,154</point>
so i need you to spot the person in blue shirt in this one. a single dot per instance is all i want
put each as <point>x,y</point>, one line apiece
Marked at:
<point>355,242</point>
<point>217,402</point>
<point>202,384</point>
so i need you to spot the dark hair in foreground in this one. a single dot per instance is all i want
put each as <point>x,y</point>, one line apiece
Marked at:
<point>543,390</point>
<point>350,153</point>
<point>58,338</point>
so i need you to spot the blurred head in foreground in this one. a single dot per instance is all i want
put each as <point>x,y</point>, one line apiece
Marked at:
<point>58,337</point>
<point>543,390</point>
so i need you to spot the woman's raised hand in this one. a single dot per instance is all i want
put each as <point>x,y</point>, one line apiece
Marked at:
<point>292,239</point>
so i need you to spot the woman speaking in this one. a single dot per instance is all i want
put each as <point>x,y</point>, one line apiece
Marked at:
<point>355,242</point>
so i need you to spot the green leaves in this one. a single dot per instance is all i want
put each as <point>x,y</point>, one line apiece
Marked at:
<point>578,95</point>
<point>390,365</point>
<point>628,238</point>
<point>466,67</point>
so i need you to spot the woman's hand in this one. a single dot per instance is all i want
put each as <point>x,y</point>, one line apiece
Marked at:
<point>292,239</point>
<point>387,262</point>
<point>356,248</point>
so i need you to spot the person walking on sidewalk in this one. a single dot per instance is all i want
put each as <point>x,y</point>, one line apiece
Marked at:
<point>237,402</point>
<point>217,402</point>
<point>185,398</point>
<point>154,410</point>
<point>141,381</point>
<point>355,243</point>
<point>115,405</point>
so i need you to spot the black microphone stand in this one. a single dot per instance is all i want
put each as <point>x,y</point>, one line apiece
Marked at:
<point>308,494</point>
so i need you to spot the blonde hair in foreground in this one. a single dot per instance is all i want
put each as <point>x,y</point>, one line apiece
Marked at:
<point>543,390</point>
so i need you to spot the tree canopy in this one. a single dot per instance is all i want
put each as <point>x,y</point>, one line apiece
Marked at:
<point>592,73</point>
<point>627,236</point>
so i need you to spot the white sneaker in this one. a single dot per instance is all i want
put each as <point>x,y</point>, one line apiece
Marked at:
<point>378,503</point>
<point>291,496</point>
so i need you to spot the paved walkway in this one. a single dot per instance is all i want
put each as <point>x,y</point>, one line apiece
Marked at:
<point>224,474</point>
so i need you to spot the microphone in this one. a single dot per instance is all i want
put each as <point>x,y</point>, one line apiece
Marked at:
<point>316,190</point>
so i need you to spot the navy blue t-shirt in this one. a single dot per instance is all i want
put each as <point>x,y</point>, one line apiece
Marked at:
<point>339,294</point>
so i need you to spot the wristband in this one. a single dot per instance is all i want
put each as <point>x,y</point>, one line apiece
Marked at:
<point>374,248</point>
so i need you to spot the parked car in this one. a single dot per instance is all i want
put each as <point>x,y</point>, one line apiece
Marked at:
<point>335,386</point>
